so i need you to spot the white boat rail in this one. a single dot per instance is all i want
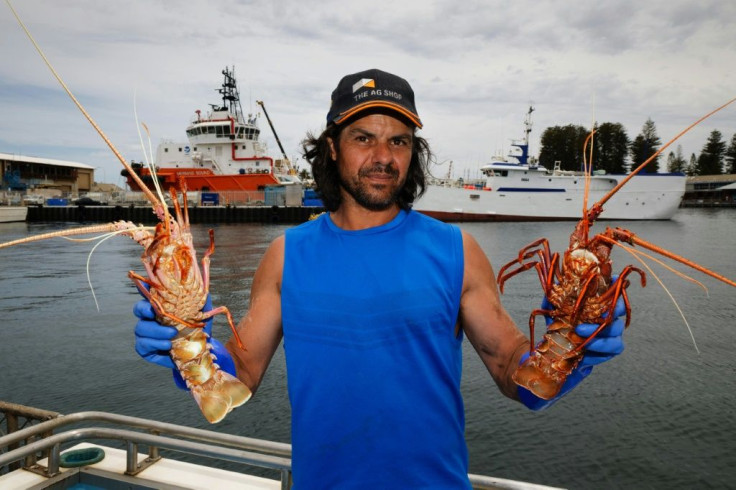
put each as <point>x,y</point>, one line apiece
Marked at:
<point>27,442</point>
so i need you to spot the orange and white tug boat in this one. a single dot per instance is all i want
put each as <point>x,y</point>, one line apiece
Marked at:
<point>223,153</point>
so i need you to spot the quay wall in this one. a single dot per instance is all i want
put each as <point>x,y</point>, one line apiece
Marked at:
<point>199,214</point>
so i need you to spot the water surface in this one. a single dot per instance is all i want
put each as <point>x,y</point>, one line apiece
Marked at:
<point>658,416</point>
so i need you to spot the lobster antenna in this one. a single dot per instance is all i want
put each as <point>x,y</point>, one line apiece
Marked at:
<point>587,171</point>
<point>687,324</point>
<point>157,205</point>
<point>588,162</point>
<point>150,163</point>
<point>147,156</point>
<point>89,259</point>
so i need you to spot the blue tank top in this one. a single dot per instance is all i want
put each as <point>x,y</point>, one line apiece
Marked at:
<point>373,362</point>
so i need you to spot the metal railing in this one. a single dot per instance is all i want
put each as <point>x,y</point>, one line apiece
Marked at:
<point>155,435</point>
<point>16,418</point>
<point>27,442</point>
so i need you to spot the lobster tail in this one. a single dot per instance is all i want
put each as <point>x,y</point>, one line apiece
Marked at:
<point>219,395</point>
<point>215,391</point>
<point>554,358</point>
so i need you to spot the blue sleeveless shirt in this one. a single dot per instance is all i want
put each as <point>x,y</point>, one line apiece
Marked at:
<point>372,358</point>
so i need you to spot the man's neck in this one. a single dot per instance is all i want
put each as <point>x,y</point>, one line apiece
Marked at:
<point>351,216</point>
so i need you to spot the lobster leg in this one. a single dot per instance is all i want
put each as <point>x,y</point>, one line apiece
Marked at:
<point>542,265</point>
<point>552,274</point>
<point>224,310</point>
<point>532,321</point>
<point>502,278</point>
<point>540,241</point>
<point>206,280</point>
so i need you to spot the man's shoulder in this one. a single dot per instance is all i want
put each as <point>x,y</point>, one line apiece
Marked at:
<point>307,231</point>
<point>421,219</point>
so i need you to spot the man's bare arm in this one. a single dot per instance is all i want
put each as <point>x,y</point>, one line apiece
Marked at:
<point>261,330</point>
<point>486,323</point>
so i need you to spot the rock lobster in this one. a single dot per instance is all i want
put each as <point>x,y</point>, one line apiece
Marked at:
<point>175,285</point>
<point>580,289</point>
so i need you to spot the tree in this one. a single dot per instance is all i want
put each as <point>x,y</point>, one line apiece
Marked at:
<point>730,156</point>
<point>676,161</point>
<point>611,148</point>
<point>692,167</point>
<point>563,144</point>
<point>644,146</point>
<point>304,174</point>
<point>710,161</point>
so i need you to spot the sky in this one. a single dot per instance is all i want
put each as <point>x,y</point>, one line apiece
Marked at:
<point>475,67</point>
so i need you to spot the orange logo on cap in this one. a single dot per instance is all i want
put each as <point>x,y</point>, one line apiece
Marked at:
<point>364,82</point>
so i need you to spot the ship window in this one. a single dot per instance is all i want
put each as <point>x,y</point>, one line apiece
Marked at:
<point>211,129</point>
<point>249,133</point>
<point>219,131</point>
<point>503,173</point>
<point>226,130</point>
<point>244,147</point>
<point>195,148</point>
<point>241,132</point>
<point>166,150</point>
<point>180,149</point>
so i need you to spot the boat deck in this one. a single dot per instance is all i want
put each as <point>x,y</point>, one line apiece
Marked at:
<point>166,474</point>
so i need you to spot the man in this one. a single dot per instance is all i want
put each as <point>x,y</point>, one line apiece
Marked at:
<point>372,301</point>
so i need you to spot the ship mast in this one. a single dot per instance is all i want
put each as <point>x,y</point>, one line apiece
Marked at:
<point>524,145</point>
<point>230,95</point>
<point>528,125</point>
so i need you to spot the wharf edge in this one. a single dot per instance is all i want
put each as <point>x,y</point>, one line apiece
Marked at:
<point>199,214</point>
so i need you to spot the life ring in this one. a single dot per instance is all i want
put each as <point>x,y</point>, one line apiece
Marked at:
<point>81,457</point>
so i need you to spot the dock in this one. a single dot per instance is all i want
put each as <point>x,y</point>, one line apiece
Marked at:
<point>197,214</point>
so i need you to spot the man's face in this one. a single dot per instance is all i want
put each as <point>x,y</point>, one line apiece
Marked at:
<point>373,160</point>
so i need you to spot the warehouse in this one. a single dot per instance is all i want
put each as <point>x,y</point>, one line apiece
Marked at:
<point>44,175</point>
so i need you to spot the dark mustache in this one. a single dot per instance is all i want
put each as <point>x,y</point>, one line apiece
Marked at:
<point>379,169</point>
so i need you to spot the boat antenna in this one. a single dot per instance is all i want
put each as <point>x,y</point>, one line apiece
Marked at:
<point>528,125</point>
<point>230,94</point>
<point>524,145</point>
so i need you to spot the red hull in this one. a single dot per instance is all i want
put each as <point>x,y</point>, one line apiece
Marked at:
<point>205,180</point>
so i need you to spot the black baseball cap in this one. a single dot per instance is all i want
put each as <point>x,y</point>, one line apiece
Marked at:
<point>372,89</point>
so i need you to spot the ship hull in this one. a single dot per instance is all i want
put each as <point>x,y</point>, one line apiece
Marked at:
<point>205,180</point>
<point>11,214</point>
<point>646,197</point>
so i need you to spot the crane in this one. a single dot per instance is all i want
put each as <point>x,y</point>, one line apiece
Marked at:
<point>291,170</point>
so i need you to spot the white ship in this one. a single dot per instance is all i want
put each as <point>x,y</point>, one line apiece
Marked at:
<point>517,189</point>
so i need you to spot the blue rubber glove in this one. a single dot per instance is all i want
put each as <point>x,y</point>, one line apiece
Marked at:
<point>607,345</point>
<point>153,341</point>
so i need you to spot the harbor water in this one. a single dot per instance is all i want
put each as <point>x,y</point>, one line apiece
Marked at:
<point>658,416</point>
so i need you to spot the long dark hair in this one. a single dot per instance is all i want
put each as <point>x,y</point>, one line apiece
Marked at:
<point>316,151</point>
